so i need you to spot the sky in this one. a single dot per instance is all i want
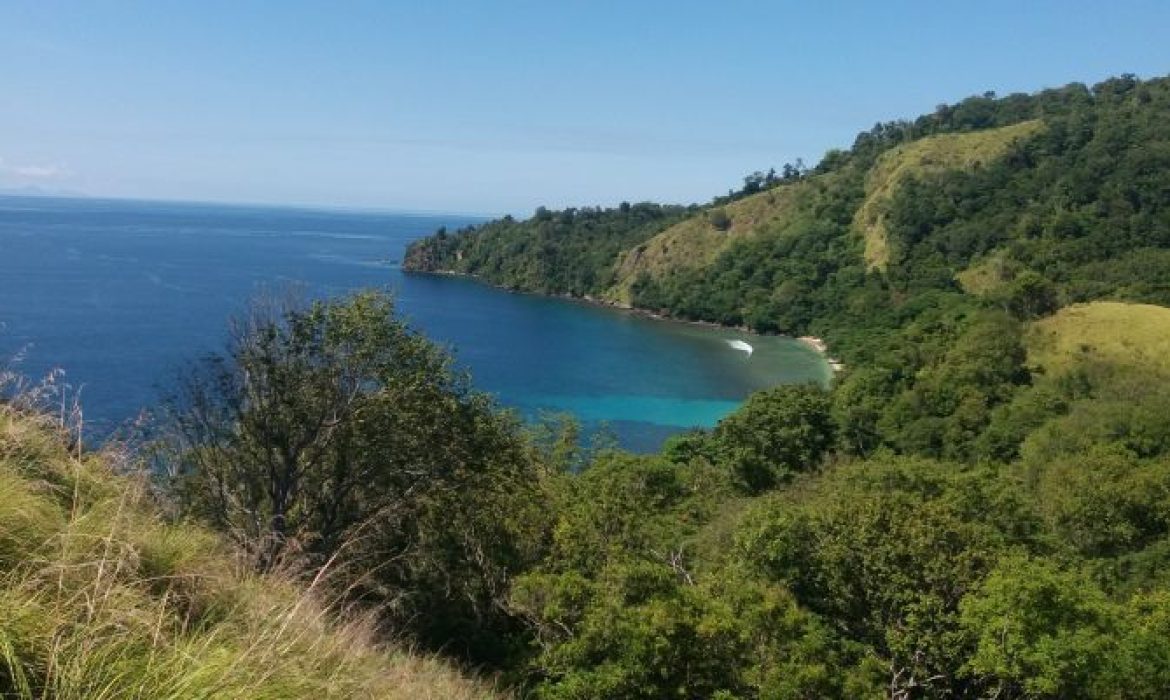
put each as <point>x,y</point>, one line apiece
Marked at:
<point>498,107</point>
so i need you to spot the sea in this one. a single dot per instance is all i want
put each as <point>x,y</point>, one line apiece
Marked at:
<point>120,296</point>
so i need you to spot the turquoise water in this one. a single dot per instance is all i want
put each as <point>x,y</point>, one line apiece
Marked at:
<point>121,294</point>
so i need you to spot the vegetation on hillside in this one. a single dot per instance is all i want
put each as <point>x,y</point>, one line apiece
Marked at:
<point>334,436</point>
<point>978,507</point>
<point>555,252</point>
<point>1011,545</point>
<point>1059,193</point>
<point>1001,527</point>
<point>103,595</point>
<point>1105,333</point>
<point>929,156</point>
<point>696,241</point>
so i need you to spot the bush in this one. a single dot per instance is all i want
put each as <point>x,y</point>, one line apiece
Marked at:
<point>719,218</point>
<point>776,433</point>
<point>336,434</point>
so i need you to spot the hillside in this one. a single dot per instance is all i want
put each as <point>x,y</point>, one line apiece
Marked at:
<point>697,241</point>
<point>103,597</point>
<point>1110,333</point>
<point>924,158</point>
<point>978,506</point>
<point>563,252</point>
<point>1065,184</point>
<point>984,513</point>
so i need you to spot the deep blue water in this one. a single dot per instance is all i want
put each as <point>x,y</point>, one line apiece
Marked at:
<point>120,294</point>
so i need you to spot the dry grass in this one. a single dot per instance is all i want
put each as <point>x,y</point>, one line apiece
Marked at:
<point>101,597</point>
<point>989,274</point>
<point>1102,333</point>
<point>933,154</point>
<point>695,242</point>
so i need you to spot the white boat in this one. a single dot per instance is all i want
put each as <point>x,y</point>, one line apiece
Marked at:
<point>741,345</point>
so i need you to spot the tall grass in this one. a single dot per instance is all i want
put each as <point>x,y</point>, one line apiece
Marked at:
<point>102,597</point>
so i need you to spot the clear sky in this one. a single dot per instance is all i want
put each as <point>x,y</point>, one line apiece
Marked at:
<point>492,107</point>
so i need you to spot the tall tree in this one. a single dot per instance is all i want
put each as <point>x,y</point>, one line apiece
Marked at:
<point>335,433</point>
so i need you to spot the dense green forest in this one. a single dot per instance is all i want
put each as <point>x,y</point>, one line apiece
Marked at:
<point>1074,209</point>
<point>979,506</point>
<point>563,252</point>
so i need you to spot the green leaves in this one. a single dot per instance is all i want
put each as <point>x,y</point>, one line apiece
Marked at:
<point>1040,632</point>
<point>777,433</point>
<point>334,435</point>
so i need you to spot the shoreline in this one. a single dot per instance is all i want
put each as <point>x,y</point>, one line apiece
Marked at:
<point>816,344</point>
<point>822,347</point>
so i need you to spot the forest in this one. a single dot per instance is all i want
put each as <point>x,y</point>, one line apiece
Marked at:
<point>967,512</point>
<point>979,505</point>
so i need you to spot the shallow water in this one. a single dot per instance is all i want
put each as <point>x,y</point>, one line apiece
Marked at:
<point>121,294</point>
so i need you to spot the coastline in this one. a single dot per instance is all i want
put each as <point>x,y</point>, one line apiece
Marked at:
<point>822,347</point>
<point>813,342</point>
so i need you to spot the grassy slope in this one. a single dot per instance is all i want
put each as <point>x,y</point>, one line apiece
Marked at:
<point>100,597</point>
<point>1111,333</point>
<point>987,275</point>
<point>695,242</point>
<point>923,157</point>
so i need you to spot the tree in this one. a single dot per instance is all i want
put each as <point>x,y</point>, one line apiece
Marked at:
<point>719,218</point>
<point>333,433</point>
<point>1043,633</point>
<point>777,432</point>
<point>1029,295</point>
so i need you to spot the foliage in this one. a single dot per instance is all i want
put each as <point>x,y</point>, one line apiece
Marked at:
<point>336,434</point>
<point>776,433</point>
<point>980,505</point>
<point>885,552</point>
<point>101,596</point>
<point>1043,633</point>
<point>564,252</point>
<point>921,158</point>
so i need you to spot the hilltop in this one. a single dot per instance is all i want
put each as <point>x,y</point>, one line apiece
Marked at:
<point>1112,333</point>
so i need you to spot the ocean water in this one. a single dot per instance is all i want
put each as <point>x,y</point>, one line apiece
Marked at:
<point>121,294</point>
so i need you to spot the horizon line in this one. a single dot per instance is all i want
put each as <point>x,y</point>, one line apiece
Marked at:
<point>296,206</point>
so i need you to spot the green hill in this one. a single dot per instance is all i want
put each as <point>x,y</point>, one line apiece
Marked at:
<point>103,597</point>
<point>564,252</point>
<point>921,159</point>
<point>1065,183</point>
<point>697,241</point>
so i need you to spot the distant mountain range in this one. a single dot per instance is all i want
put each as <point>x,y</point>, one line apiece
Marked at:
<point>38,191</point>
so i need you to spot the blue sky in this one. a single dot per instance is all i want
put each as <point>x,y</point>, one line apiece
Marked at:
<point>498,107</point>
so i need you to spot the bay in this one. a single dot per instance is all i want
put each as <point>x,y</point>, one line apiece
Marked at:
<point>120,294</point>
